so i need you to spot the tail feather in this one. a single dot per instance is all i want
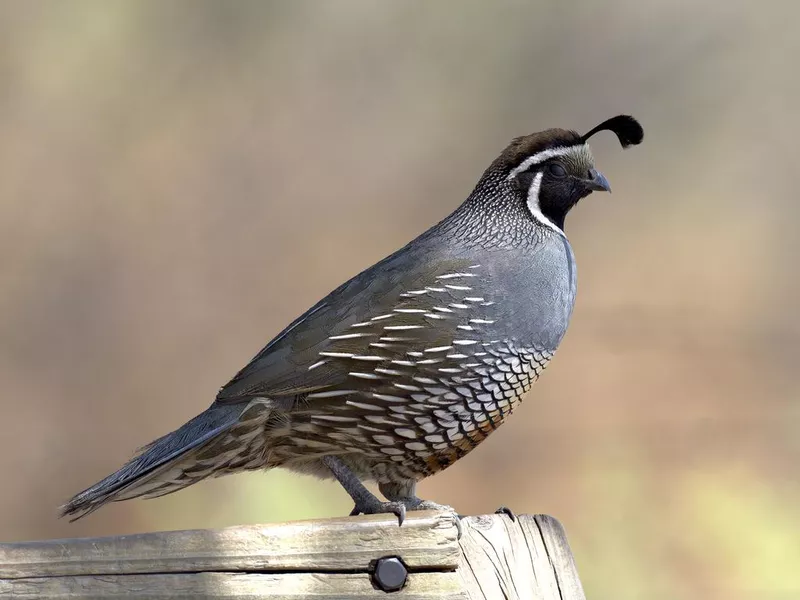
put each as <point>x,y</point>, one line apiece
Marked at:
<point>140,476</point>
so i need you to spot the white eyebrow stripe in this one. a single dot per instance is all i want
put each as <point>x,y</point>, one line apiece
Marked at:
<point>542,156</point>
<point>533,205</point>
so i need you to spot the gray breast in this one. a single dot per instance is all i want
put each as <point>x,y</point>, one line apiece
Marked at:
<point>533,290</point>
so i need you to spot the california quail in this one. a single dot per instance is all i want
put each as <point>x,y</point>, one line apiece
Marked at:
<point>402,370</point>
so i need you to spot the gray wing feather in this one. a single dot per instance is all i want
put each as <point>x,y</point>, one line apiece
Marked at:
<point>292,363</point>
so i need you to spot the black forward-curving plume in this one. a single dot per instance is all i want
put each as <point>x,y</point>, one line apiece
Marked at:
<point>628,130</point>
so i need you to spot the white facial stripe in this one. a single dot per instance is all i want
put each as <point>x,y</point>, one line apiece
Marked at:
<point>540,157</point>
<point>533,204</point>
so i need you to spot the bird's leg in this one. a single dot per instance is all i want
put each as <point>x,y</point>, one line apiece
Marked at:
<point>405,493</point>
<point>365,501</point>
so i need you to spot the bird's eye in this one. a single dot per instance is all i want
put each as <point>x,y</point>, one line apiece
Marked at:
<point>556,170</point>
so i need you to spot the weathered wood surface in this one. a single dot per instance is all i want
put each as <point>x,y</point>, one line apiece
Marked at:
<point>427,539</point>
<point>496,558</point>
<point>526,559</point>
<point>233,586</point>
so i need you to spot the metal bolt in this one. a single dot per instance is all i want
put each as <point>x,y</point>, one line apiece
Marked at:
<point>390,574</point>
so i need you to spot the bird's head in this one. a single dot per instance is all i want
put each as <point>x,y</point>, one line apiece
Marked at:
<point>552,170</point>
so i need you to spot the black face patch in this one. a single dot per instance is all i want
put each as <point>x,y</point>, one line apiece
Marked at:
<point>562,185</point>
<point>557,196</point>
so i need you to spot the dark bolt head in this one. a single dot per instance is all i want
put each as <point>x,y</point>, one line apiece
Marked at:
<point>390,574</point>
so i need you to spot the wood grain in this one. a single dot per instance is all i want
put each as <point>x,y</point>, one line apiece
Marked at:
<point>233,586</point>
<point>496,558</point>
<point>426,540</point>
<point>527,559</point>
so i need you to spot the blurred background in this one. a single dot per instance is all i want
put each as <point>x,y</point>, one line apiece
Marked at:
<point>180,180</point>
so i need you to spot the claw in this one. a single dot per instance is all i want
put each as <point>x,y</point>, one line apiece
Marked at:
<point>428,505</point>
<point>396,508</point>
<point>504,510</point>
<point>459,527</point>
<point>400,511</point>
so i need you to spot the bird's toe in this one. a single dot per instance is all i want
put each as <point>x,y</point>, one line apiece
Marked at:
<point>504,510</point>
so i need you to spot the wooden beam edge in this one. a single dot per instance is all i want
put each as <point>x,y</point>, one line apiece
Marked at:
<point>427,540</point>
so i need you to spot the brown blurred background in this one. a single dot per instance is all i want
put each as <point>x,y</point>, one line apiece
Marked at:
<point>179,180</point>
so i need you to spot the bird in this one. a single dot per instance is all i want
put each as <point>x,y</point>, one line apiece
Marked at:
<point>409,365</point>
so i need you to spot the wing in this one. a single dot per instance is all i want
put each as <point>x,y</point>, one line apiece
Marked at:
<point>382,315</point>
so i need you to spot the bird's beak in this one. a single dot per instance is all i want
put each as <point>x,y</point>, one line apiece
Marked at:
<point>598,182</point>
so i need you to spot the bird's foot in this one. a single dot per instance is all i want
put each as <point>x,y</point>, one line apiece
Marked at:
<point>365,501</point>
<point>420,504</point>
<point>373,506</point>
<point>504,510</point>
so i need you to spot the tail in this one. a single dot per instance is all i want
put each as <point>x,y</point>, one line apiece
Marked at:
<point>164,466</point>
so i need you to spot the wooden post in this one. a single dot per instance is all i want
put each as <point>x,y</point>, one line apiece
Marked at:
<point>352,557</point>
